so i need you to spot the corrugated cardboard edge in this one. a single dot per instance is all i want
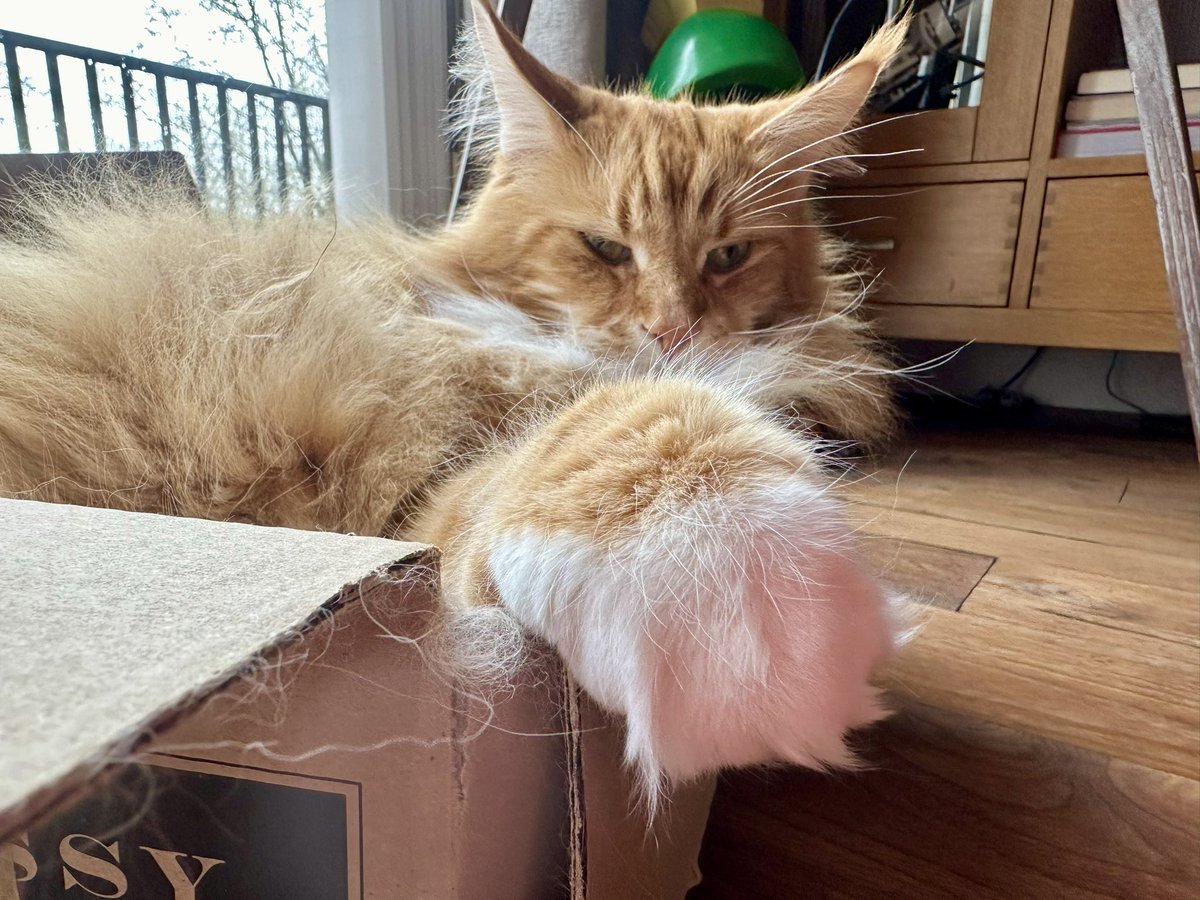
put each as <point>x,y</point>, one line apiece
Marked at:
<point>625,856</point>
<point>576,802</point>
<point>81,780</point>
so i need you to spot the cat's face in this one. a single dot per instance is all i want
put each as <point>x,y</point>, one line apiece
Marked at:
<point>651,225</point>
<point>661,237</point>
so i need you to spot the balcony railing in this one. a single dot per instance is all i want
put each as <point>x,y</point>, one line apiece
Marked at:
<point>273,144</point>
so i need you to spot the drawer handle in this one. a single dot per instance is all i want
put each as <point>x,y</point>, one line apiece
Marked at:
<point>875,246</point>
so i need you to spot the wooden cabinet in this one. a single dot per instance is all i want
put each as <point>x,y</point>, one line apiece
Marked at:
<point>938,244</point>
<point>1099,247</point>
<point>1003,242</point>
<point>1001,127</point>
<point>935,137</point>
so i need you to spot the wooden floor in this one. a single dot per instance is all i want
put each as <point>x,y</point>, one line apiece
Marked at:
<point>1048,739</point>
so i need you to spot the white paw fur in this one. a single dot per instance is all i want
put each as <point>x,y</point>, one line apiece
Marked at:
<point>732,630</point>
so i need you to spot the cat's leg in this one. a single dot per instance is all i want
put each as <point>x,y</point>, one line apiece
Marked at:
<point>684,555</point>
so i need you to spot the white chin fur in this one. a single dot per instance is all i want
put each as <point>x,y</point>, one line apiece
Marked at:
<point>731,632</point>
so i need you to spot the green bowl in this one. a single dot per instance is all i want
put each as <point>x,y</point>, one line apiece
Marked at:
<point>722,52</point>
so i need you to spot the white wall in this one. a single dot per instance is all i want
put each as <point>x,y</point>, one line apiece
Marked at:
<point>387,99</point>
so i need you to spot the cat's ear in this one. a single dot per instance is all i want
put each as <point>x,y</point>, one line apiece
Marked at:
<point>536,106</point>
<point>827,108</point>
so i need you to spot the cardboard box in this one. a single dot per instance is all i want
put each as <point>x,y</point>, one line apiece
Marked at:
<point>193,709</point>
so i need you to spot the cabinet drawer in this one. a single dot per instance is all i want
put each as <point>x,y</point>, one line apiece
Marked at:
<point>1099,248</point>
<point>944,244</point>
<point>930,138</point>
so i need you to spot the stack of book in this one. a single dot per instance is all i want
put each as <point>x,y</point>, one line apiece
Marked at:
<point>1102,118</point>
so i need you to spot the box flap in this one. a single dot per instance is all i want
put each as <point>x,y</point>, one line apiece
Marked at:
<point>110,620</point>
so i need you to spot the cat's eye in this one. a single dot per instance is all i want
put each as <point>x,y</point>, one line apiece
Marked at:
<point>727,258</point>
<point>612,252</point>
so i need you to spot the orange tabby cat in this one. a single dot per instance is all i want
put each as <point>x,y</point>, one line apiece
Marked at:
<point>571,391</point>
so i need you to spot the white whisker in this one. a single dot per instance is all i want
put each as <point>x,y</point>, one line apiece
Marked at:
<point>808,167</point>
<point>758,211</point>
<point>824,225</point>
<point>849,131</point>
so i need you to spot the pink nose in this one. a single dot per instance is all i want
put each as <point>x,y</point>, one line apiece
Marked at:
<point>670,337</point>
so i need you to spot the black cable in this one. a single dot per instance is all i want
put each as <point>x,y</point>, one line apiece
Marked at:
<point>965,82</point>
<point>1001,397</point>
<point>1021,371</point>
<point>1108,387</point>
<point>829,39</point>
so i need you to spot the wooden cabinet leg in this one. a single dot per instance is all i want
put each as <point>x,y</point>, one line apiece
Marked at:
<point>1169,161</point>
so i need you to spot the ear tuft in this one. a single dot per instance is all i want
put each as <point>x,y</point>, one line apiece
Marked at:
<point>511,102</point>
<point>821,112</point>
<point>879,51</point>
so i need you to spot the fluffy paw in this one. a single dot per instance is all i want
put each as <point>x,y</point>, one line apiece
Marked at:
<point>685,557</point>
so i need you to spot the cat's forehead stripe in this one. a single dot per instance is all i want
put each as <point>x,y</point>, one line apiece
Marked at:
<point>667,163</point>
<point>668,169</point>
